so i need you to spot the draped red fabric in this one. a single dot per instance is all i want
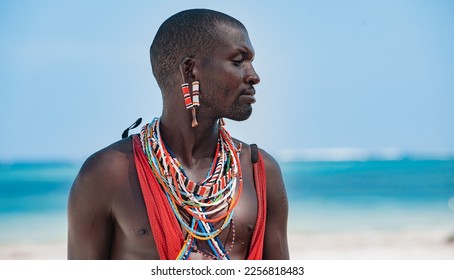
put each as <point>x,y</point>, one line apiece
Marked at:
<point>258,236</point>
<point>164,225</point>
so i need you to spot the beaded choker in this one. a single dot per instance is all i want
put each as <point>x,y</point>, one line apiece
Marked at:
<point>205,203</point>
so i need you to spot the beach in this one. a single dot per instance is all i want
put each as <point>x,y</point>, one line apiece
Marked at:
<point>34,251</point>
<point>331,232</point>
<point>371,245</point>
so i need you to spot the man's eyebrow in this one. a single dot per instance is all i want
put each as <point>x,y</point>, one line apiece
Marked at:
<point>245,51</point>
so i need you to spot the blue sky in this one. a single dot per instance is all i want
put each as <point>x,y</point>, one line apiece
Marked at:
<point>334,74</point>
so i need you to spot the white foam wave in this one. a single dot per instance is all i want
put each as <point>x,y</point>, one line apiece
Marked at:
<point>363,154</point>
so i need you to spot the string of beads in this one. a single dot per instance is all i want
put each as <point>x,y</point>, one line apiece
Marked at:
<point>208,203</point>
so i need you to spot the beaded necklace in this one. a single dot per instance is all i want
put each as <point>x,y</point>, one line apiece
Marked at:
<point>207,202</point>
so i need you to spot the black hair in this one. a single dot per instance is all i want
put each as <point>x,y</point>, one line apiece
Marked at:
<point>189,33</point>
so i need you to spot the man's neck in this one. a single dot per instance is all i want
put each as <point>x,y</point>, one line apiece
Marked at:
<point>191,145</point>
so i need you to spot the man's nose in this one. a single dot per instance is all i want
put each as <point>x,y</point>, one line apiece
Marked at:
<point>252,77</point>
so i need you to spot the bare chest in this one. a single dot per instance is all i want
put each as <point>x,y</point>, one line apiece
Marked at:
<point>133,235</point>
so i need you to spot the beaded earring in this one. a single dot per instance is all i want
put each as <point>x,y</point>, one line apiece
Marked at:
<point>186,95</point>
<point>192,103</point>
<point>195,93</point>
<point>195,101</point>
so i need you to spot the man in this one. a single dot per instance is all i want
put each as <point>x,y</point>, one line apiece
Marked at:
<point>149,196</point>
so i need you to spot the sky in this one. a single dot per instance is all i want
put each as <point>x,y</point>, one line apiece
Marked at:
<point>335,75</point>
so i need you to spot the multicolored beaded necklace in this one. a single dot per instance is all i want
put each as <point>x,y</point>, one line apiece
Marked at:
<point>207,202</point>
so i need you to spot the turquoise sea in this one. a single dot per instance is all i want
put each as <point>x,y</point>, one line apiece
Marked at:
<point>370,195</point>
<point>323,196</point>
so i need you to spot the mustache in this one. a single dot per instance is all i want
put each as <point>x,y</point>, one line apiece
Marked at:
<point>249,91</point>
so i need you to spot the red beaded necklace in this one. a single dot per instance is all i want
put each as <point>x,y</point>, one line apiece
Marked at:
<point>207,202</point>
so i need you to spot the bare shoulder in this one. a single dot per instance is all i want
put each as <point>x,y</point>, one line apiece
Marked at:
<point>275,182</point>
<point>98,185</point>
<point>105,169</point>
<point>271,165</point>
<point>109,159</point>
<point>110,156</point>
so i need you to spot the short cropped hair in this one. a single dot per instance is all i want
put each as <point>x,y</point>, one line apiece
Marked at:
<point>189,33</point>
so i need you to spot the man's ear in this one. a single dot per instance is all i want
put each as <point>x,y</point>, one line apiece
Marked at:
<point>187,69</point>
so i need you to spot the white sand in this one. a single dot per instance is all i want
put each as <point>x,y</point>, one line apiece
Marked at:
<point>373,245</point>
<point>34,251</point>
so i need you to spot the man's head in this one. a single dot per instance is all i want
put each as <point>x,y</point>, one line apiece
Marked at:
<point>190,33</point>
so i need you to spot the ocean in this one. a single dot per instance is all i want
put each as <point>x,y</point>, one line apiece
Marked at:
<point>33,198</point>
<point>339,196</point>
<point>349,196</point>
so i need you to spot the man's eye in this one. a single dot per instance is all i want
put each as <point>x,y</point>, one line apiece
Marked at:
<point>237,62</point>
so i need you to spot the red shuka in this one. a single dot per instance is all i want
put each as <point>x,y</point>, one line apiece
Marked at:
<point>166,230</point>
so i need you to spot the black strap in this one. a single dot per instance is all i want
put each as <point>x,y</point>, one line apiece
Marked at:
<point>254,153</point>
<point>132,126</point>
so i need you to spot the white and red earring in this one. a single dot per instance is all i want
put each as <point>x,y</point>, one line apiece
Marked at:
<point>192,101</point>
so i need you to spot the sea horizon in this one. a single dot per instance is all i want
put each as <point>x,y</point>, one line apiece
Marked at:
<point>299,154</point>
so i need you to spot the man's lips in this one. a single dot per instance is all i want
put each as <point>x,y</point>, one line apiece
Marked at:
<point>247,96</point>
<point>250,91</point>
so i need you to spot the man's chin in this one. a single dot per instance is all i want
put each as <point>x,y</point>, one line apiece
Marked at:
<point>241,115</point>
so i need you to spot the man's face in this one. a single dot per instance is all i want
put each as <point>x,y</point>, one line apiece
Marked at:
<point>227,76</point>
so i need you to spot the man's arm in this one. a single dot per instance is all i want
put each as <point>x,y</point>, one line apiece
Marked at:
<point>275,247</point>
<point>90,226</point>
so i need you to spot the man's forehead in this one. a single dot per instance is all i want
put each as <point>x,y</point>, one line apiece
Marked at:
<point>234,37</point>
<point>232,31</point>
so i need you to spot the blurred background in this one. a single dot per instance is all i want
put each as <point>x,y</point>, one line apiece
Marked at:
<point>355,102</point>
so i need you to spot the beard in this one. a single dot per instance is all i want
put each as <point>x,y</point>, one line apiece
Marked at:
<point>225,108</point>
<point>219,99</point>
<point>239,112</point>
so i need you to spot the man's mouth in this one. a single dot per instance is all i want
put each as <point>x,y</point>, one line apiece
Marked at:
<point>247,96</point>
<point>250,92</point>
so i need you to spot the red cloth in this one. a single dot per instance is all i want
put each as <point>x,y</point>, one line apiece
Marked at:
<point>166,230</point>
